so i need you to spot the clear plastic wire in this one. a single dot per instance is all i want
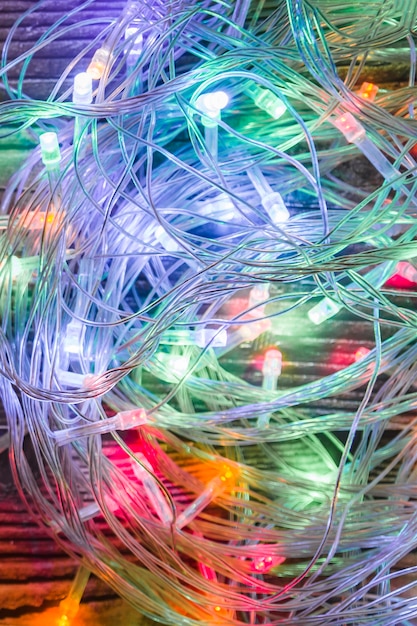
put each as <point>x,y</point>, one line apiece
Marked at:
<point>165,243</point>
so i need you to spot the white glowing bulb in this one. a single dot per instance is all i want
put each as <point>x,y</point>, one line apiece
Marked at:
<point>83,88</point>
<point>172,367</point>
<point>50,151</point>
<point>323,310</point>
<point>165,239</point>
<point>274,205</point>
<point>73,338</point>
<point>135,43</point>
<point>208,336</point>
<point>212,103</point>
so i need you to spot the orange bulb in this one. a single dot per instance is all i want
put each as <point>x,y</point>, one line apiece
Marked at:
<point>98,63</point>
<point>368,91</point>
<point>96,70</point>
<point>37,220</point>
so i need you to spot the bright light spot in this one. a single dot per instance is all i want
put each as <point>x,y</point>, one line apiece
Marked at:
<point>350,127</point>
<point>368,91</point>
<point>172,367</point>
<point>212,103</point>
<point>263,564</point>
<point>272,363</point>
<point>323,310</point>
<point>361,353</point>
<point>51,154</point>
<point>83,88</point>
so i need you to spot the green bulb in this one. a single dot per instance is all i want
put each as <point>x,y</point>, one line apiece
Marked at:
<point>269,102</point>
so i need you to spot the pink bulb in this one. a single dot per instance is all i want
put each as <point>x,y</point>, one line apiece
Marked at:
<point>361,353</point>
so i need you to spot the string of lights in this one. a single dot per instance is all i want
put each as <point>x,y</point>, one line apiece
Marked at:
<point>187,195</point>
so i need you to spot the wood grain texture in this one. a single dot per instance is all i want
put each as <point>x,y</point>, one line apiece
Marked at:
<point>49,62</point>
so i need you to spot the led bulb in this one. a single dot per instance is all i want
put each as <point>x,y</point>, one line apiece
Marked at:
<point>226,480</point>
<point>201,337</point>
<point>219,614</point>
<point>258,299</point>
<point>83,88</point>
<point>267,101</point>
<point>98,63</point>
<point>355,133</point>
<point>73,339</point>
<point>91,510</point>
<point>229,474</point>
<point>172,367</point>
<point>14,265</point>
<point>19,269</point>
<point>206,571</point>
<point>270,103</point>
<point>221,208</point>
<point>211,105</point>
<point>51,154</point>
<point>37,220</point>
<point>165,239</point>
<point>258,293</point>
<point>70,605</point>
<point>207,336</point>
<point>272,365</point>
<point>361,353</point>
<point>263,564</point>
<point>125,420</point>
<point>271,371</point>
<point>74,379</point>
<point>246,332</point>
<point>275,207</point>
<point>323,310</point>
<point>177,337</point>
<point>134,39</point>
<point>69,610</point>
<point>131,9</point>
<point>407,271</point>
<point>350,127</point>
<point>272,201</point>
<point>368,91</point>
<point>144,473</point>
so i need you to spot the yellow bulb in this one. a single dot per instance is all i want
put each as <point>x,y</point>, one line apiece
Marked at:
<point>229,473</point>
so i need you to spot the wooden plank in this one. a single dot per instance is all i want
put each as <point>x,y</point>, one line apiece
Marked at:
<point>50,61</point>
